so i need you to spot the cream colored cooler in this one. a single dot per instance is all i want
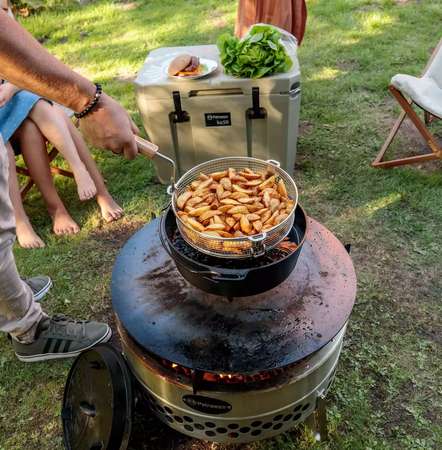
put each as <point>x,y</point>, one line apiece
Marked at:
<point>193,121</point>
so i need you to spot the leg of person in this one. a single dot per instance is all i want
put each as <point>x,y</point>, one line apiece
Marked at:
<point>54,128</point>
<point>36,337</point>
<point>35,155</point>
<point>19,314</point>
<point>26,235</point>
<point>110,210</point>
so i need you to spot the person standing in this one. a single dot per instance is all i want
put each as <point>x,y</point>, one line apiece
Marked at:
<point>106,125</point>
<point>290,15</point>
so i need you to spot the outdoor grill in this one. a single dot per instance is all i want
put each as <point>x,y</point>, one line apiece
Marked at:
<point>209,363</point>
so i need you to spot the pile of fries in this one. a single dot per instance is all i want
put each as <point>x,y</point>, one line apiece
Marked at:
<point>234,205</point>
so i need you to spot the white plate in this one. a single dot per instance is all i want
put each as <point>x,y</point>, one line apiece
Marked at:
<point>211,67</point>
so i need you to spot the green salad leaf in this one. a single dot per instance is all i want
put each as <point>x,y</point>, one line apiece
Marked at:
<point>260,53</point>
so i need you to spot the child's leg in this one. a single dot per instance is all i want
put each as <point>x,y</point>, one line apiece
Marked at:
<point>26,235</point>
<point>35,154</point>
<point>54,128</point>
<point>109,209</point>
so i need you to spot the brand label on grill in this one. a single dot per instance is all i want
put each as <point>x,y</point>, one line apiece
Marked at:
<point>207,404</point>
<point>218,120</point>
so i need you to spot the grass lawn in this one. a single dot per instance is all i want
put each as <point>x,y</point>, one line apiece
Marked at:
<point>388,390</point>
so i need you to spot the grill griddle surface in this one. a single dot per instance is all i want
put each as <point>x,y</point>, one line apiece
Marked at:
<point>180,323</point>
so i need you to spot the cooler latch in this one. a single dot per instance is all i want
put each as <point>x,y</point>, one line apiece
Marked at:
<point>181,116</point>
<point>258,113</point>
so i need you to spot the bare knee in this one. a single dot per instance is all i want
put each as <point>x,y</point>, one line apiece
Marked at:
<point>27,127</point>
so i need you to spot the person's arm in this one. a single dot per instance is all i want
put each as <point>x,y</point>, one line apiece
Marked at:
<point>26,64</point>
<point>7,91</point>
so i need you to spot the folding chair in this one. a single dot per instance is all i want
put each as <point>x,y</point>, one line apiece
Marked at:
<point>52,154</point>
<point>426,93</point>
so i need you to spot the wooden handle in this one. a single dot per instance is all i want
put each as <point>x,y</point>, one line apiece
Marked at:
<point>146,148</point>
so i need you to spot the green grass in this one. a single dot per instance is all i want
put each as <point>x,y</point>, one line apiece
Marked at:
<point>388,390</point>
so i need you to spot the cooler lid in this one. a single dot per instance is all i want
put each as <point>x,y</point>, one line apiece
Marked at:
<point>153,83</point>
<point>97,410</point>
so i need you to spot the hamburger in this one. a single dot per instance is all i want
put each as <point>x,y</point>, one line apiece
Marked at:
<point>185,66</point>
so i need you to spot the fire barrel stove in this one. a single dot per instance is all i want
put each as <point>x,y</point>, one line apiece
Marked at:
<point>221,368</point>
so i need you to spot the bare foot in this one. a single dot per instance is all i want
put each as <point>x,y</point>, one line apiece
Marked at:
<point>26,236</point>
<point>63,222</point>
<point>109,209</point>
<point>85,186</point>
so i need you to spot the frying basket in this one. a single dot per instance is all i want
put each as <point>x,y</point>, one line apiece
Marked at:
<point>242,247</point>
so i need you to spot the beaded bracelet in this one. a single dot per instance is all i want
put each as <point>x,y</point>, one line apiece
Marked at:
<point>94,102</point>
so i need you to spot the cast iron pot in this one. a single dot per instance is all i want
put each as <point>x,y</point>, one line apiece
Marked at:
<point>215,279</point>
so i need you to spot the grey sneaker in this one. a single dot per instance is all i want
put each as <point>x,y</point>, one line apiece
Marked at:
<point>61,337</point>
<point>39,285</point>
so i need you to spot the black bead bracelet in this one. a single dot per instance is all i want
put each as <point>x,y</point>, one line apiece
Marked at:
<point>94,102</point>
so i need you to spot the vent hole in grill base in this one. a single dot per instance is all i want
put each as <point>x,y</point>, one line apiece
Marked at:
<point>306,407</point>
<point>233,435</point>
<point>278,418</point>
<point>188,419</point>
<point>233,426</point>
<point>258,423</point>
<point>267,425</point>
<point>256,432</point>
<point>210,425</point>
<point>288,417</point>
<point>297,417</point>
<point>210,433</point>
<point>277,426</point>
<point>297,408</point>
<point>198,426</point>
<point>188,428</point>
<point>168,410</point>
<point>160,409</point>
<point>222,430</point>
<point>169,419</point>
<point>178,419</point>
<point>244,430</point>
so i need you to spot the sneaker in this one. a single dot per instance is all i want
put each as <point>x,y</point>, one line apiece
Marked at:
<point>61,337</point>
<point>39,285</point>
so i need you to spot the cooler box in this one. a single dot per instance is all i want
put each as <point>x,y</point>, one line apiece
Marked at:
<point>193,121</point>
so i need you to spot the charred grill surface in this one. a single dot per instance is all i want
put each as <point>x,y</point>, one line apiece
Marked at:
<point>180,323</point>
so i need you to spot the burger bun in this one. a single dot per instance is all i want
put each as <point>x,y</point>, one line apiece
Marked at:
<point>178,64</point>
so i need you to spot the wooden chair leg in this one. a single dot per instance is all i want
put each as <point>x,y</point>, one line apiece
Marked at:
<point>408,110</point>
<point>26,188</point>
<point>52,154</point>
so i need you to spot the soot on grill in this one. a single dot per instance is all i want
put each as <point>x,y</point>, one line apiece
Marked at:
<point>284,249</point>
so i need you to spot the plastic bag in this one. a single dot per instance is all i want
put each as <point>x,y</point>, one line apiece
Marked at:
<point>288,40</point>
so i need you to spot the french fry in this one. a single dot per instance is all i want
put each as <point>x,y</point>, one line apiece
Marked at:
<point>266,216</point>
<point>290,205</point>
<point>208,215</point>
<point>195,184</point>
<point>253,217</point>
<point>257,225</point>
<point>225,194</point>
<point>238,234</point>
<point>205,184</point>
<point>232,172</point>
<point>247,170</point>
<point>263,176</point>
<point>229,201</point>
<point>225,234</point>
<point>201,205</point>
<point>259,205</point>
<point>225,208</point>
<point>201,192</point>
<point>271,191</point>
<point>237,217</point>
<point>218,220</point>
<point>215,204</point>
<point>194,201</point>
<point>230,221</point>
<point>278,196</point>
<point>214,186</point>
<point>203,177</point>
<point>209,198</point>
<point>281,206</point>
<point>253,183</point>
<point>280,218</point>
<point>239,179</point>
<point>215,227</point>
<point>238,210</point>
<point>212,233</point>
<point>227,183</point>
<point>266,200</point>
<point>219,191</point>
<point>199,211</point>
<point>182,213</point>
<point>188,188</point>
<point>250,176</point>
<point>252,208</point>
<point>218,175</point>
<point>237,195</point>
<point>260,212</point>
<point>266,228</point>
<point>247,200</point>
<point>255,191</point>
<point>281,188</point>
<point>195,225</point>
<point>183,198</point>
<point>237,188</point>
<point>272,218</point>
<point>274,203</point>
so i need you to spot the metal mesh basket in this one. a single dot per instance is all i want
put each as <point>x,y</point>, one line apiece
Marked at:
<point>242,247</point>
